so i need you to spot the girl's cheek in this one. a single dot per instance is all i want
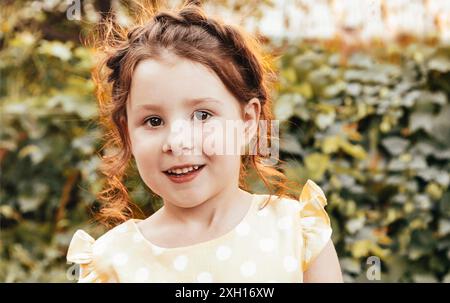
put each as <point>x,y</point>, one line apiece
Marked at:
<point>145,146</point>
<point>223,138</point>
<point>213,140</point>
<point>211,146</point>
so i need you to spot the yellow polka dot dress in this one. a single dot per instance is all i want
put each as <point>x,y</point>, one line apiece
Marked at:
<point>273,244</point>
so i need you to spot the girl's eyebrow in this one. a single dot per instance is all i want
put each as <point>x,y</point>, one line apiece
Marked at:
<point>196,101</point>
<point>189,102</point>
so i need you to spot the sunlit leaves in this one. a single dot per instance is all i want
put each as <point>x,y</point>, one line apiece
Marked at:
<point>375,134</point>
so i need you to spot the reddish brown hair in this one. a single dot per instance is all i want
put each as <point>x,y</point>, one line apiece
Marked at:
<point>188,33</point>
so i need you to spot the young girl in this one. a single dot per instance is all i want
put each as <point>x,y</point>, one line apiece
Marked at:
<point>172,77</point>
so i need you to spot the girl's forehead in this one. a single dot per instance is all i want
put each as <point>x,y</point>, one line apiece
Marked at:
<point>179,79</point>
<point>174,68</point>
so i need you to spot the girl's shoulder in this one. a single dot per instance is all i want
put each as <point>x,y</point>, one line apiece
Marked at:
<point>115,237</point>
<point>305,217</point>
<point>97,256</point>
<point>312,201</point>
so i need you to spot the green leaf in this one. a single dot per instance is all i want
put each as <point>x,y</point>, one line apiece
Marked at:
<point>317,165</point>
<point>331,144</point>
<point>353,150</point>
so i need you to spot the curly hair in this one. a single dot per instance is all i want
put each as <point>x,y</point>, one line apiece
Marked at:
<point>237,59</point>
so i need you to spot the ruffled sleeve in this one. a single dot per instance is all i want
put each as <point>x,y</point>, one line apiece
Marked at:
<point>81,252</point>
<point>314,221</point>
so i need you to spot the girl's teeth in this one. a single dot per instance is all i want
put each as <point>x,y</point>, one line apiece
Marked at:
<point>183,170</point>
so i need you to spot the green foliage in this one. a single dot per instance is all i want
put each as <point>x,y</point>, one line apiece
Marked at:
<point>375,134</point>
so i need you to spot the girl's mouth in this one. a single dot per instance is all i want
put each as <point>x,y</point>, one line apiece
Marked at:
<point>184,177</point>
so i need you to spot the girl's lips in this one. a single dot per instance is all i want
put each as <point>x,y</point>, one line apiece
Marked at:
<point>185,178</point>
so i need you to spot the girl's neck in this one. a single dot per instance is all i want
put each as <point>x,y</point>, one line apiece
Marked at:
<point>226,206</point>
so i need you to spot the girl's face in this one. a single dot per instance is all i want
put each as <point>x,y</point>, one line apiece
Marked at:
<point>177,113</point>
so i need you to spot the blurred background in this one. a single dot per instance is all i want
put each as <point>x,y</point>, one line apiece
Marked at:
<point>363,101</point>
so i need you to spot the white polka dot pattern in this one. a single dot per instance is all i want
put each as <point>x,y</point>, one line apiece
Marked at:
<point>158,250</point>
<point>243,229</point>
<point>248,268</point>
<point>180,263</point>
<point>223,252</point>
<point>120,259</point>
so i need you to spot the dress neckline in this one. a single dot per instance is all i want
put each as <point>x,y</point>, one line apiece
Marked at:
<point>199,244</point>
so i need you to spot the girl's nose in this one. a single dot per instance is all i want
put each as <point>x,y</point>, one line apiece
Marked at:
<point>180,138</point>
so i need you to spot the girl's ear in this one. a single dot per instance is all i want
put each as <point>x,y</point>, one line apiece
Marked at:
<point>251,115</point>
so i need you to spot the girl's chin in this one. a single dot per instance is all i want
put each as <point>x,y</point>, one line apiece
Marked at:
<point>190,205</point>
<point>187,201</point>
<point>179,196</point>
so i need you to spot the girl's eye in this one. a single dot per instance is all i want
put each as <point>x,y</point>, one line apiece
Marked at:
<point>202,115</point>
<point>154,121</point>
